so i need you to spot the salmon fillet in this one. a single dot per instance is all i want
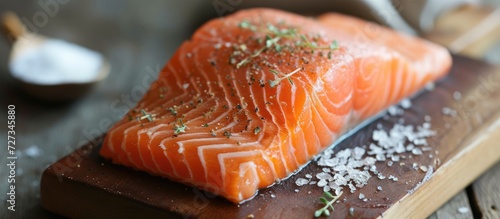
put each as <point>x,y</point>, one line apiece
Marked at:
<point>253,97</point>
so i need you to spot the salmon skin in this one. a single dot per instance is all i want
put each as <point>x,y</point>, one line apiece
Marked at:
<point>253,97</point>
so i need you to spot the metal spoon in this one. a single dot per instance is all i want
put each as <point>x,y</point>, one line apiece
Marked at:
<point>21,41</point>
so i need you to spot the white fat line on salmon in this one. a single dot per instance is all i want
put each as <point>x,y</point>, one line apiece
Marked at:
<point>192,138</point>
<point>245,167</point>
<point>273,116</point>
<point>201,150</point>
<point>223,156</point>
<point>165,152</point>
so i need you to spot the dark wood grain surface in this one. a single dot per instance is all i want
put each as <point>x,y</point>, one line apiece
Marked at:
<point>137,38</point>
<point>96,188</point>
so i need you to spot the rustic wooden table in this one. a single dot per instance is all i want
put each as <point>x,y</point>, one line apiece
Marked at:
<point>138,39</point>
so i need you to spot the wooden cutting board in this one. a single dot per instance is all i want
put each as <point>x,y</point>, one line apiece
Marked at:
<point>83,185</point>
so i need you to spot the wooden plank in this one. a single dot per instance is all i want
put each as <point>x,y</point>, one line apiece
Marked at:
<point>464,143</point>
<point>460,170</point>
<point>447,30</point>
<point>469,30</point>
<point>486,192</point>
<point>458,207</point>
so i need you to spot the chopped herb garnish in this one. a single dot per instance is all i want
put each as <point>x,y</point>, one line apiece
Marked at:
<point>272,37</point>
<point>276,81</point>
<point>180,128</point>
<point>205,125</point>
<point>313,45</point>
<point>148,116</point>
<point>245,24</point>
<point>256,130</point>
<point>272,40</point>
<point>334,45</point>
<point>227,134</point>
<point>247,59</point>
<point>328,199</point>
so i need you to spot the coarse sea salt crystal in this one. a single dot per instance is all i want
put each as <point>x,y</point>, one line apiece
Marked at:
<point>427,118</point>
<point>353,167</point>
<point>426,148</point>
<point>405,103</point>
<point>448,111</point>
<point>301,181</point>
<point>457,95</point>
<point>416,151</point>
<point>361,196</point>
<point>420,141</point>
<point>380,176</point>
<point>323,175</point>
<point>380,157</point>
<point>423,168</point>
<point>395,158</point>
<point>393,110</point>
<point>358,153</point>
<point>56,62</point>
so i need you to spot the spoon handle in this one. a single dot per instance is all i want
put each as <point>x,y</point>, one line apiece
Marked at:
<point>12,26</point>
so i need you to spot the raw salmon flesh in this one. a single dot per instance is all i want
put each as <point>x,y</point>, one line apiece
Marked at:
<point>254,96</point>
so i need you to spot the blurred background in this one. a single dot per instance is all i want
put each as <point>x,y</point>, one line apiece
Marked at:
<point>138,37</point>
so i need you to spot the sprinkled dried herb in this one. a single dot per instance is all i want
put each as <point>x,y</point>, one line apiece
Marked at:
<point>173,110</point>
<point>180,128</point>
<point>146,115</point>
<point>256,130</point>
<point>272,40</point>
<point>276,81</point>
